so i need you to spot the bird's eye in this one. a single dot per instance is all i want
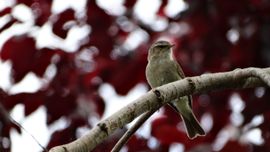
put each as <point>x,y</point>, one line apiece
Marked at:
<point>162,46</point>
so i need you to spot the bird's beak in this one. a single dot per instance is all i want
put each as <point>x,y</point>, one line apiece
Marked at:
<point>172,45</point>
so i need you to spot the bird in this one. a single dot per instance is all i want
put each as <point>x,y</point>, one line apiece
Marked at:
<point>162,68</point>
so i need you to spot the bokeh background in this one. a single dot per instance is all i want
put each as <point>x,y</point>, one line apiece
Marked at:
<point>65,65</point>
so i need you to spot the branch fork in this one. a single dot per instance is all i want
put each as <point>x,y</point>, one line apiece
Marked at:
<point>149,103</point>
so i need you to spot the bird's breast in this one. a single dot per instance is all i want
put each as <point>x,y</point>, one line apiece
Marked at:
<point>161,72</point>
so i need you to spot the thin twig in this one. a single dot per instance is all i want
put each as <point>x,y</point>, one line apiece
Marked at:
<point>124,139</point>
<point>11,120</point>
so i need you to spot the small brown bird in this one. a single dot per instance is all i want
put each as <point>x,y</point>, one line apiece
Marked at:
<point>161,69</point>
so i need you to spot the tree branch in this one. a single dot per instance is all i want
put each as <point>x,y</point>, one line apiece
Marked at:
<point>240,78</point>
<point>261,74</point>
<point>124,139</point>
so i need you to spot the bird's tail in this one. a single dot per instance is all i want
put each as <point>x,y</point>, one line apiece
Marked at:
<point>192,125</point>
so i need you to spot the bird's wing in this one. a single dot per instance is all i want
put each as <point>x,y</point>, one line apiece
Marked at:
<point>179,69</point>
<point>182,75</point>
<point>190,101</point>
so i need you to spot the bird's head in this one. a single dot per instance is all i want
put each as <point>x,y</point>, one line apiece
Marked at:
<point>160,49</point>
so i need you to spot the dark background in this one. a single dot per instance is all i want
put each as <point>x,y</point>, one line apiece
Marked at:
<point>210,36</point>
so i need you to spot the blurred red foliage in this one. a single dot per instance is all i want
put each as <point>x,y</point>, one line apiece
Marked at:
<point>220,35</point>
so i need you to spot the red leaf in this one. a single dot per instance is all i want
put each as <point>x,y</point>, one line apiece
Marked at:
<point>161,8</point>
<point>242,54</point>
<point>172,116</point>
<point>26,2</point>
<point>25,57</point>
<point>99,36</point>
<point>251,100</point>
<point>230,8</point>
<point>265,126</point>
<point>42,11</point>
<point>62,136</point>
<point>137,144</point>
<point>59,105</point>
<point>165,132</point>
<point>235,146</point>
<point>64,17</point>
<point>99,102</point>
<point>5,11</point>
<point>41,61</point>
<point>130,3</point>
<point>67,76</point>
<point>20,50</point>
<point>31,101</point>
<point>3,95</point>
<point>127,72</point>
